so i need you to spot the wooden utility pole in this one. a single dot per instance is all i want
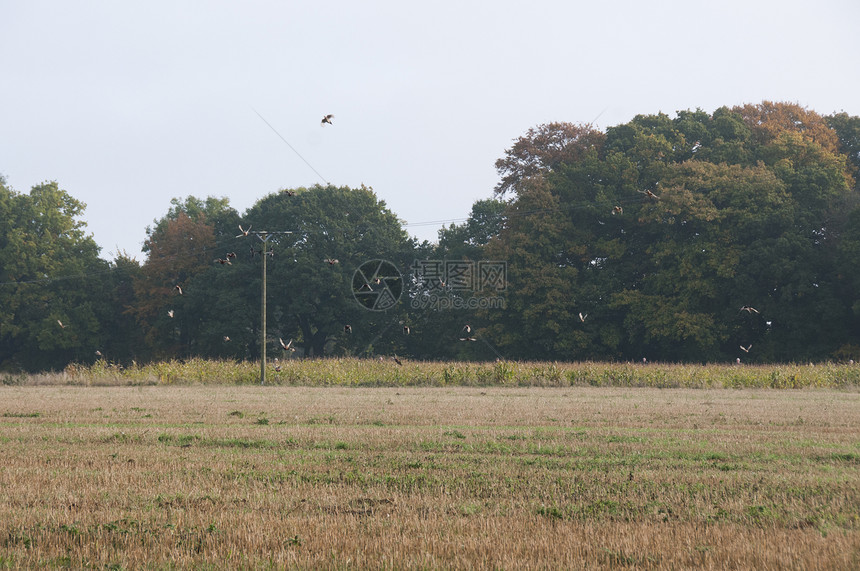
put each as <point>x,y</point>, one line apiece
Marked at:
<point>264,236</point>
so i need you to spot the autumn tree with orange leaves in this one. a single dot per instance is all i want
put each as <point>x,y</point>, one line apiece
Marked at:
<point>178,249</point>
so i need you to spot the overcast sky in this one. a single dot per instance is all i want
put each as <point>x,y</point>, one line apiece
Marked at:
<point>129,104</point>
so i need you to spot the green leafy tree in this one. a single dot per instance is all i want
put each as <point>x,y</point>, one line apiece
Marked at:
<point>467,240</point>
<point>700,230</point>
<point>52,280</point>
<point>559,239</point>
<point>123,339</point>
<point>847,129</point>
<point>310,283</point>
<point>848,271</point>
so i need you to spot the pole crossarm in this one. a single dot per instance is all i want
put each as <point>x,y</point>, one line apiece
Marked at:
<point>264,235</point>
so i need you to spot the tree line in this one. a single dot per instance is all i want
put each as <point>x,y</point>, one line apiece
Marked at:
<point>701,237</point>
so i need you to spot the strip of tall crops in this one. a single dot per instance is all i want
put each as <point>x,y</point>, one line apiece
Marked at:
<point>370,372</point>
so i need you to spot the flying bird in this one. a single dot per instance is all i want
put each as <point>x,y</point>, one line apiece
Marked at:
<point>226,339</point>
<point>347,329</point>
<point>231,255</point>
<point>327,119</point>
<point>290,192</point>
<point>287,346</point>
<point>243,231</point>
<point>222,261</point>
<point>98,353</point>
<point>406,330</point>
<point>582,317</point>
<point>747,348</point>
<point>467,333</point>
<point>749,309</point>
<point>649,194</point>
<point>170,313</point>
<point>396,360</point>
<point>617,210</point>
<point>331,261</point>
<point>178,288</point>
<point>61,324</point>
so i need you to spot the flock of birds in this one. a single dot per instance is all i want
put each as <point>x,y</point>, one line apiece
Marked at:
<point>227,260</point>
<point>466,334</point>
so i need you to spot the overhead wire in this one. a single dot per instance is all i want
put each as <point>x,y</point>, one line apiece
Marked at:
<point>322,178</point>
<point>405,224</point>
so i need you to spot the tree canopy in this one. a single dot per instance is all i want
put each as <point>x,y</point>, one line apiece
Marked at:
<point>50,279</point>
<point>703,236</point>
<point>333,231</point>
<point>650,245</point>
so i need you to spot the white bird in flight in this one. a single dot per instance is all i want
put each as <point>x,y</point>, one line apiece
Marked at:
<point>649,194</point>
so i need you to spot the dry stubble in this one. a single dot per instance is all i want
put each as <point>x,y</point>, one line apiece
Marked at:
<point>429,477</point>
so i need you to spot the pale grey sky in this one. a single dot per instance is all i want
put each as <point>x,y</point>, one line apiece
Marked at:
<point>129,104</point>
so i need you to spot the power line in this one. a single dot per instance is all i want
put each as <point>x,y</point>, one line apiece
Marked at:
<point>322,178</point>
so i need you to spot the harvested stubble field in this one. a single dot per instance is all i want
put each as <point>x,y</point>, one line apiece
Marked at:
<point>222,476</point>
